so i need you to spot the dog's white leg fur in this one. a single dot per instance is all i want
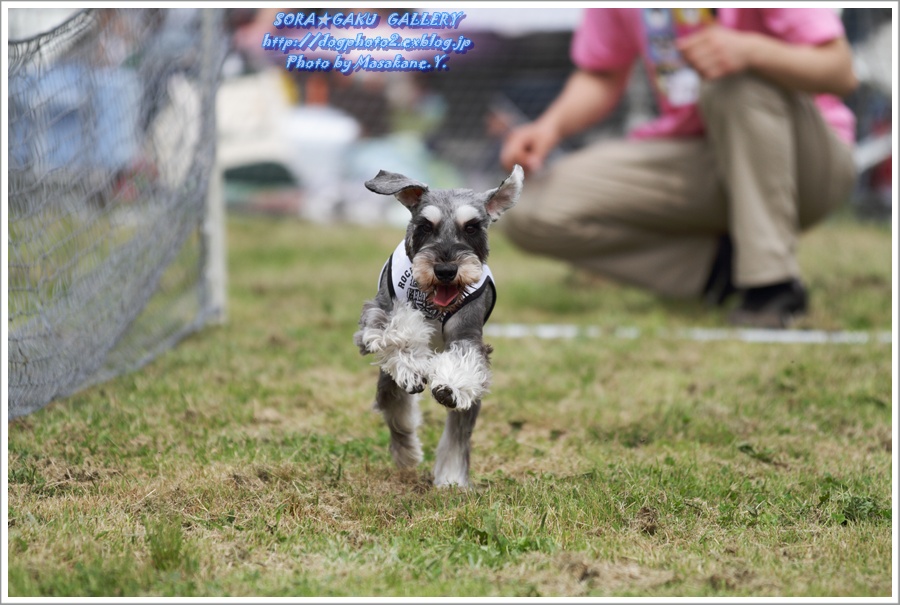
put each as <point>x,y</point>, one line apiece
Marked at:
<point>402,346</point>
<point>452,457</point>
<point>451,467</point>
<point>462,369</point>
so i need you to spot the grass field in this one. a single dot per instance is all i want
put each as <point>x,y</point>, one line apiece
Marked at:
<point>248,462</point>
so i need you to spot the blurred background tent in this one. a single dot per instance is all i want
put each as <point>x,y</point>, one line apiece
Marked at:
<point>122,120</point>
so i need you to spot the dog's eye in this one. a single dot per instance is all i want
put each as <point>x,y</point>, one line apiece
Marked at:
<point>426,228</point>
<point>471,228</point>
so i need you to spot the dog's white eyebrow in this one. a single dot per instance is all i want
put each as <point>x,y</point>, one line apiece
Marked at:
<point>466,213</point>
<point>432,213</point>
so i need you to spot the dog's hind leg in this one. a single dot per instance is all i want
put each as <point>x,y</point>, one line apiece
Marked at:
<point>452,465</point>
<point>400,411</point>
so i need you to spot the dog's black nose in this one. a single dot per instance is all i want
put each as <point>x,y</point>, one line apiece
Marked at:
<point>445,272</point>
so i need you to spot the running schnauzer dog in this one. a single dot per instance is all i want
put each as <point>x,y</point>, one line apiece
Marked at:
<point>424,325</point>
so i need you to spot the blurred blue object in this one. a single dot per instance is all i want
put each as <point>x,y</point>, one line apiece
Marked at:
<point>73,118</point>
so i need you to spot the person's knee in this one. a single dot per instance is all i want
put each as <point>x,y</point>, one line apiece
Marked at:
<point>731,94</point>
<point>526,226</point>
<point>560,213</point>
<point>535,227</point>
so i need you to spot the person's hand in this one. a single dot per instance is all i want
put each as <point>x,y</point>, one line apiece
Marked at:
<point>529,145</point>
<point>717,51</point>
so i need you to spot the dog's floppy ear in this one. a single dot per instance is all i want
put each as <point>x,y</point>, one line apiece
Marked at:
<point>405,189</point>
<point>506,195</point>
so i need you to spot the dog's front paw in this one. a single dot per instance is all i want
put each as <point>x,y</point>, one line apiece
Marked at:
<point>416,388</point>
<point>444,396</point>
<point>409,371</point>
<point>370,337</point>
<point>458,400</point>
<point>459,377</point>
<point>360,341</point>
<point>412,384</point>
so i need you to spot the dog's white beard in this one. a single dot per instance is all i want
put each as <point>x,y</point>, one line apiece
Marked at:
<point>469,270</point>
<point>402,348</point>
<point>463,369</point>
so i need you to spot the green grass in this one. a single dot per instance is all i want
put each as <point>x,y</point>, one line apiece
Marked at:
<point>248,462</point>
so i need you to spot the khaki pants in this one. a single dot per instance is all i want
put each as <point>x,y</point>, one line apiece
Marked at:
<point>650,212</point>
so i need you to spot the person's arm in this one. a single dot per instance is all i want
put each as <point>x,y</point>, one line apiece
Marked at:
<point>586,98</point>
<point>717,51</point>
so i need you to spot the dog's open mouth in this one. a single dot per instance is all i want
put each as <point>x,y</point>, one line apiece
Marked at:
<point>445,295</point>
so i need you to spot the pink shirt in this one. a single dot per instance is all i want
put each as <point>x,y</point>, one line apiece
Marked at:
<point>612,38</point>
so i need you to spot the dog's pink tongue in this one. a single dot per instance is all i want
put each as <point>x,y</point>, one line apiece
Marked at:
<point>444,295</point>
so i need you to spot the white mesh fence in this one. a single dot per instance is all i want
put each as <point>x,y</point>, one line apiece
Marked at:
<point>111,153</point>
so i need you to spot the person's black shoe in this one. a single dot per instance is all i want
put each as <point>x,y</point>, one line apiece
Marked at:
<point>719,285</point>
<point>773,306</point>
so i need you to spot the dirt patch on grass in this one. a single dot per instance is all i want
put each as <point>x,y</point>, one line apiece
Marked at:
<point>575,574</point>
<point>742,579</point>
<point>647,520</point>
